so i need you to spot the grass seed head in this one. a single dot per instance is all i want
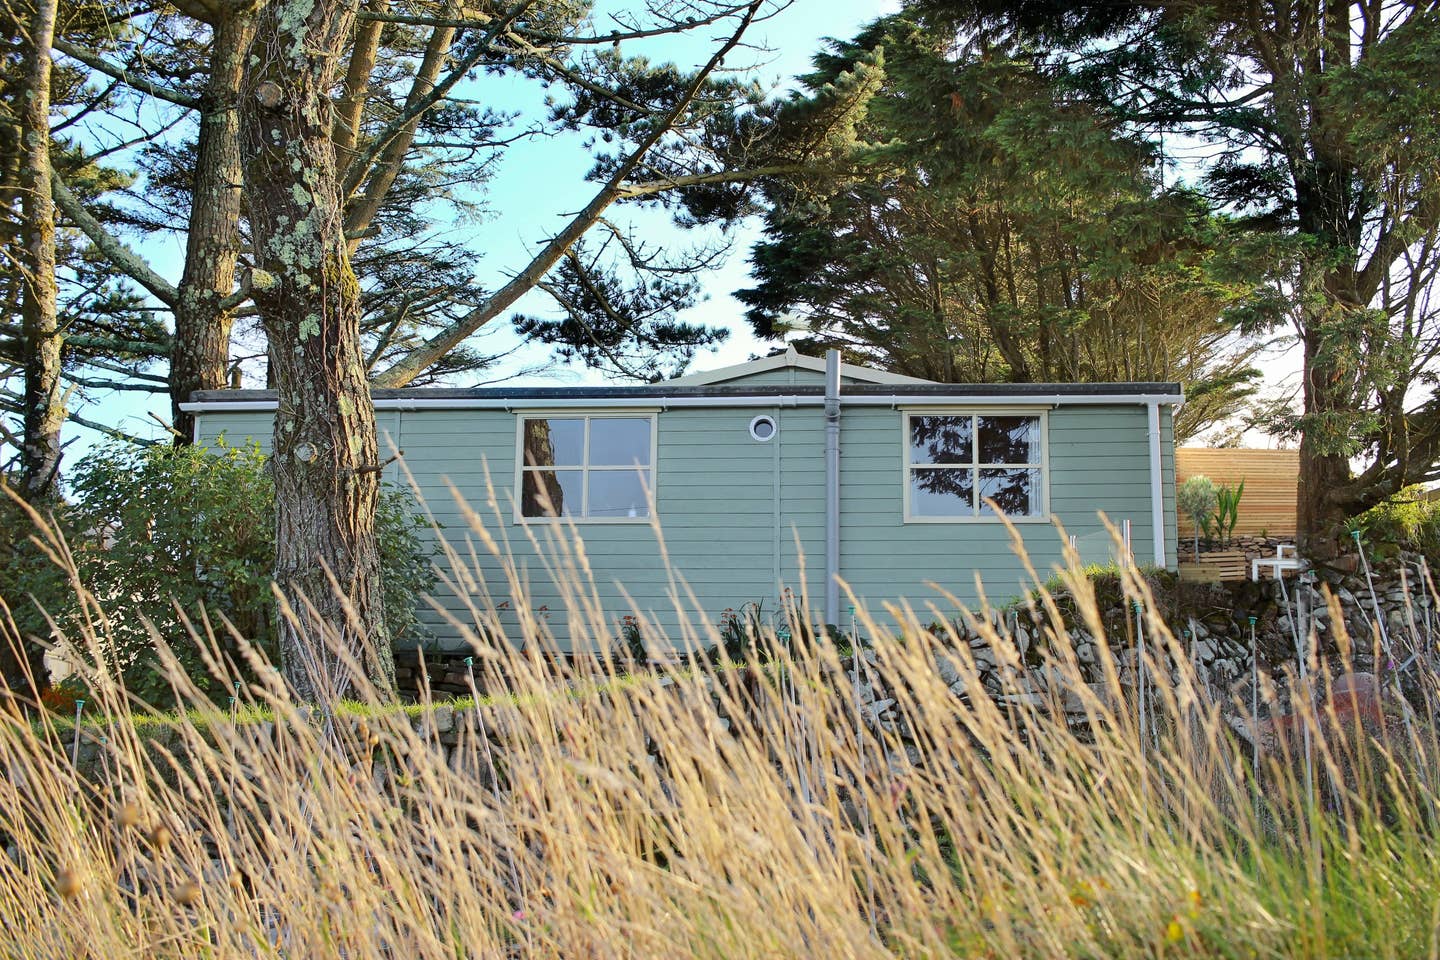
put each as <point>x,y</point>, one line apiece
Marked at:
<point>160,836</point>
<point>68,884</point>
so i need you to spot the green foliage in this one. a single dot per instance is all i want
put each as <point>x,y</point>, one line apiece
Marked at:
<point>1197,499</point>
<point>1221,525</point>
<point>29,582</point>
<point>1407,521</point>
<point>985,227</point>
<point>161,530</point>
<point>1321,140</point>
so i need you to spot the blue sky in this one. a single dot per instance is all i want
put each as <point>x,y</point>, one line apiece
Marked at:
<point>540,181</point>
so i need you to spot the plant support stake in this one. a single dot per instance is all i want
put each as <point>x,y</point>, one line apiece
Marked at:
<point>75,737</point>
<point>1375,602</point>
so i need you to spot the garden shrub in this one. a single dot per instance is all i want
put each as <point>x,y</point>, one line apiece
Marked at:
<point>29,584</point>
<point>1407,521</point>
<point>159,530</point>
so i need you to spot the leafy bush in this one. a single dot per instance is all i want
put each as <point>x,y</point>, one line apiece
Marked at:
<point>29,583</point>
<point>1407,521</point>
<point>161,530</point>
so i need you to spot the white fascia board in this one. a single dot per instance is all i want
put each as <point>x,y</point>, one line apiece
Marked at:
<point>669,403</point>
<point>792,359</point>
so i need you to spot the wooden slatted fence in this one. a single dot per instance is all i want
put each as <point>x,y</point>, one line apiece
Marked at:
<point>1270,480</point>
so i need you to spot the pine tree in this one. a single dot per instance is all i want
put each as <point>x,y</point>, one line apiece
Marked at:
<point>1319,124</point>
<point>997,231</point>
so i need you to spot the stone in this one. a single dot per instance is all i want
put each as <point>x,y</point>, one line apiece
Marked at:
<point>1023,699</point>
<point>1348,563</point>
<point>879,708</point>
<point>958,688</point>
<point>946,669</point>
<point>443,718</point>
<point>1022,640</point>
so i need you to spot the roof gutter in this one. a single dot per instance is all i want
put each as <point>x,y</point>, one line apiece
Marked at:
<point>668,403</point>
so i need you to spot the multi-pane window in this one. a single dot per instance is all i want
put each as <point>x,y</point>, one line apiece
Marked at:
<point>586,467</point>
<point>956,462</point>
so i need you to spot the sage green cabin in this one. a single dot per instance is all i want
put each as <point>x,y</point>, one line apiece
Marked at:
<point>733,465</point>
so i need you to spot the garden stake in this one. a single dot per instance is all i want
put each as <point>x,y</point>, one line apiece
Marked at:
<point>1301,651</point>
<point>1294,612</point>
<point>1255,715</point>
<point>1375,602</point>
<point>1140,672</point>
<point>75,737</point>
<point>1425,587</point>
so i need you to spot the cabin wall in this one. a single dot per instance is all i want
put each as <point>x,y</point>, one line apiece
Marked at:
<point>742,518</point>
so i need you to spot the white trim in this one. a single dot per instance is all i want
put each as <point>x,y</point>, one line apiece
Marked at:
<point>652,404</point>
<point>1157,486</point>
<point>798,361</point>
<point>906,466</point>
<point>774,428</point>
<point>585,468</point>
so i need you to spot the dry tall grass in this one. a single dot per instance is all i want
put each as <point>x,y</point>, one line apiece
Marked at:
<point>589,813</point>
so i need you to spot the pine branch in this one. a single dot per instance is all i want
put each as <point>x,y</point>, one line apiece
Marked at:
<point>122,257</point>
<point>96,62</point>
<point>412,364</point>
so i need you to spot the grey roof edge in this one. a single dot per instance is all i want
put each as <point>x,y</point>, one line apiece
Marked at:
<point>998,391</point>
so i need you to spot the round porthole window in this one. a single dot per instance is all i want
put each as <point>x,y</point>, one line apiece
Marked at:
<point>762,428</point>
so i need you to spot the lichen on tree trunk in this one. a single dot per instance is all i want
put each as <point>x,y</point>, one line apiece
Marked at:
<point>325,444</point>
<point>40,331</point>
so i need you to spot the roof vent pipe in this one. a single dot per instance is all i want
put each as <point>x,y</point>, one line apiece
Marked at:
<point>832,486</point>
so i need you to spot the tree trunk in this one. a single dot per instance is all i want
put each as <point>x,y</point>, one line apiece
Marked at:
<point>201,353</point>
<point>325,451</point>
<point>1320,513</point>
<point>44,401</point>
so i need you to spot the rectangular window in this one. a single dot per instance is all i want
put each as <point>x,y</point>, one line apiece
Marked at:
<point>598,467</point>
<point>956,462</point>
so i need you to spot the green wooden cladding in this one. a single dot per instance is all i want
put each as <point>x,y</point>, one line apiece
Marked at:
<point>741,519</point>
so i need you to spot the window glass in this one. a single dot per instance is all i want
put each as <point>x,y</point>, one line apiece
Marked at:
<point>554,442</point>
<point>1015,492</point>
<point>619,441</point>
<point>958,461</point>
<point>552,493</point>
<point>942,439</point>
<point>942,492</point>
<point>586,467</point>
<point>1009,439</point>
<point>619,493</point>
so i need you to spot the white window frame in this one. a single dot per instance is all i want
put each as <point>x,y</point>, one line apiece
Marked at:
<point>627,413</point>
<point>906,464</point>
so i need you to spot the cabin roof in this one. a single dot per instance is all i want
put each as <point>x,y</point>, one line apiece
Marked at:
<point>790,358</point>
<point>668,393</point>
